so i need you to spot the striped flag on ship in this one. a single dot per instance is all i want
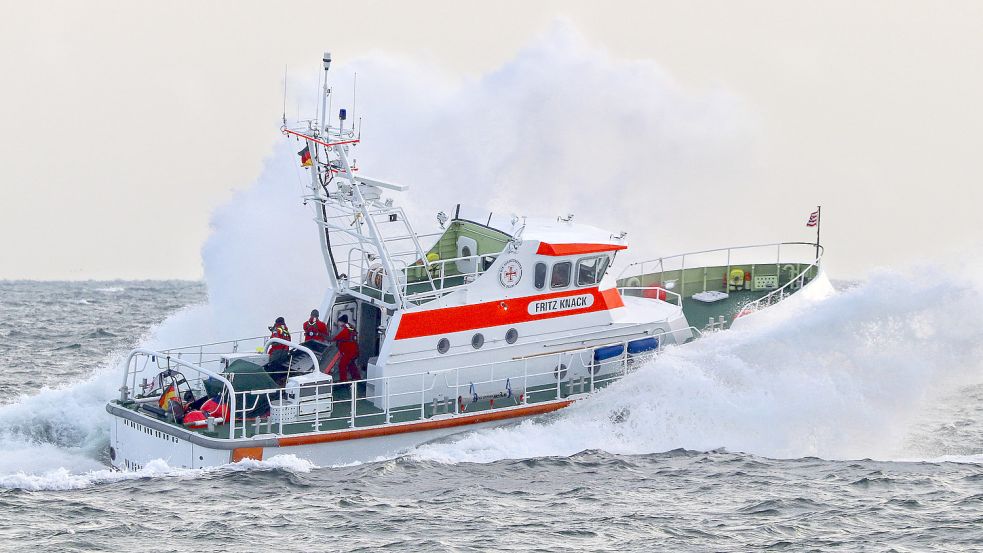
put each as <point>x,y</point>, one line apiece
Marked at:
<point>305,156</point>
<point>813,219</point>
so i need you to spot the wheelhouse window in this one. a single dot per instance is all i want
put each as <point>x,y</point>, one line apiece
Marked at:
<point>590,271</point>
<point>560,277</point>
<point>540,276</point>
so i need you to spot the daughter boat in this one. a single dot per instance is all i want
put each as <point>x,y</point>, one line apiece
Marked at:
<point>490,321</point>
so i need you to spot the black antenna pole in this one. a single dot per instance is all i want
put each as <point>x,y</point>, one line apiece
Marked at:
<point>284,95</point>
<point>819,223</point>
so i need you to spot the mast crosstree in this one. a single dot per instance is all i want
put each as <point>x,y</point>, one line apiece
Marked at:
<point>367,241</point>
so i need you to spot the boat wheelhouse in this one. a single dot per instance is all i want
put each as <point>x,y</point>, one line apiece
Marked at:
<point>493,319</point>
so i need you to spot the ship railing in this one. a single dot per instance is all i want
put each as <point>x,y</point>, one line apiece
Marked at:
<point>676,266</point>
<point>793,285</point>
<point>445,392</point>
<point>164,364</point>
<point>303,349</point>
<point>439,274</point>
<point>193,365</point>
<point>651,292</point>
<point>436,273</point>
<point>450,391</point>
<point>214,352</point>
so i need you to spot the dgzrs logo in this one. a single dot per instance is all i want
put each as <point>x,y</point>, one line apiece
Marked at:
<point>510,274</point>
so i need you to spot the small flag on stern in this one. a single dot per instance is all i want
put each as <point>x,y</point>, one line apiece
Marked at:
<point>813,219</point>
<point>305,156</point>
<point>169,395</point>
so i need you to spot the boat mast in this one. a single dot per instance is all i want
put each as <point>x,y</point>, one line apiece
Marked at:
<point>367,242</point>
<point>320,211</point>
<point>326,59</point>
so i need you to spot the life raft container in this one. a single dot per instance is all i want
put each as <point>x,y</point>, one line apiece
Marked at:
<point>195,418</point>
<point>212,408</point>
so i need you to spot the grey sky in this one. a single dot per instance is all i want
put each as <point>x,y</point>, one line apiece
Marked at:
<point>126,124</point>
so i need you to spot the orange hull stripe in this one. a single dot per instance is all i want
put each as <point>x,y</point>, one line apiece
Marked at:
<point>417,324</point>
<point>576,249</point>
<point>484,416</point>
<point>240,453</point>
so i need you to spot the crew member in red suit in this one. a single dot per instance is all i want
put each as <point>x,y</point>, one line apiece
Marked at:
<point>348,348</point>
<point>315,329</point>
<point>279,353</point>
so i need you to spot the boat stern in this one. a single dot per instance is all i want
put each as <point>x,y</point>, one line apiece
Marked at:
<point>133,443</point>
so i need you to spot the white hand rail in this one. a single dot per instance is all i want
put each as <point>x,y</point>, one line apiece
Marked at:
<point>292,345</point>
<point>678,298</point>
<point>513,376</point>
<point>796,282</point>
<point>151,354</point>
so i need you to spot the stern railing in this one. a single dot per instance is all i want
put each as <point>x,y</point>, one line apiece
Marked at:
<point>549,376</point>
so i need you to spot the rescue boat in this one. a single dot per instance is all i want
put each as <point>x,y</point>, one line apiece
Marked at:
<point>493,319</point>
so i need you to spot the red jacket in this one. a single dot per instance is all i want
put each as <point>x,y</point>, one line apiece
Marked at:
<point>315,329</point>
<point>345,338</point>
<point>281,332</point>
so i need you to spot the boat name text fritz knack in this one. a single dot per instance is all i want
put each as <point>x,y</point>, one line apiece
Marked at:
<point>567,303</point>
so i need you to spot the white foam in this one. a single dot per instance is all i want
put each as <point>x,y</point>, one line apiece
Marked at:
<point>61,478</point>
<point>64,479</point>
<point>111,289</point>
<point>287,462</point>
<point>844,377</point>
<point>838,381</point>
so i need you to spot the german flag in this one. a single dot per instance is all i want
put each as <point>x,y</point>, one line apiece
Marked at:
<point>305,156</point>
<point>165,399</point>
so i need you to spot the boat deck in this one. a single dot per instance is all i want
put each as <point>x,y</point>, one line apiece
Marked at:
<point>698,313</point>
<point>368,415</point>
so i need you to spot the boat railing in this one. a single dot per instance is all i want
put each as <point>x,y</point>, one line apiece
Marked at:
<point>298,347</point>
<point>193,376</point>
<point>213,352</point>
<point>651,292</point>
<point>438,271</point>
<point>793,285</point>
<point>671,271</point>
<point>435,272</point>
<point>405,397</point>
<point>461,389</point>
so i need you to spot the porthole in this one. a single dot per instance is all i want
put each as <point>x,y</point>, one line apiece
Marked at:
<point>512,335</point>
<point>478,340</point>
<point>443,346</point>
<point>560,372</point>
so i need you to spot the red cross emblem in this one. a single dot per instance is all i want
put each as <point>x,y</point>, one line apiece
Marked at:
<point>510,274</point>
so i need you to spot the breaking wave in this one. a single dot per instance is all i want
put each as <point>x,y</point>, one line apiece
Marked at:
<point>849,376</point>
<point>62,478</point>
<point>842,377</point>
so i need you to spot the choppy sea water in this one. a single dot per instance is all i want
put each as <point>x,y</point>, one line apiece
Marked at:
<point>852,424</point>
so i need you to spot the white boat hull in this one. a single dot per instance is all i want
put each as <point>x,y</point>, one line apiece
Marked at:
<point>136,440</point>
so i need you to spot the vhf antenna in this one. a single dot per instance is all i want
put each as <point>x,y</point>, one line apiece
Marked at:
<point>284,95</point>
<point>326,58</point>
